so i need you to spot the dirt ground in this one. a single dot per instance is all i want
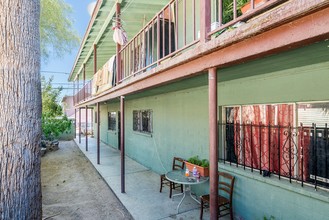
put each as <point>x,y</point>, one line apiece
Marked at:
<point>72,188</point>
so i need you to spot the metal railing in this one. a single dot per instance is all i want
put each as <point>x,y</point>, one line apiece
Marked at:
<point>171,31</point>
<point>175,29</point>
<point>296,153</point>
<point>84,93</point>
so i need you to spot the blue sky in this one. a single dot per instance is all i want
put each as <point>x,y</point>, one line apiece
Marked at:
<point>64,64</point>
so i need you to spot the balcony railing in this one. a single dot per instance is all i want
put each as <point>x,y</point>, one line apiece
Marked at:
<point>228,13</point>
<point>84,94</point>
<point>297,153</point>
<point>175,29</point>
<point>172,30</point>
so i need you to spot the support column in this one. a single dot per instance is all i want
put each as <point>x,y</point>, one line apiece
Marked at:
<point>78,98</point>
<point>118,54</point>
<point>98,134</point>
<point>213,140</point>
<point>86,127</point>
<point>79,125</point>
<point>205,8</point>
<point>122,144</point>
<point>75,122</point>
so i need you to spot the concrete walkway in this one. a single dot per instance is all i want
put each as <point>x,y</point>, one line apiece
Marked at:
<point>142,198</point>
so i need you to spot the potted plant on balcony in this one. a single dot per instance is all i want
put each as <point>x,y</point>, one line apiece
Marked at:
<point>201,165</point>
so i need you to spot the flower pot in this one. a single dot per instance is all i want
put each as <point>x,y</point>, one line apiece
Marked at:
<point>204,171</point>
<point>247,6</point>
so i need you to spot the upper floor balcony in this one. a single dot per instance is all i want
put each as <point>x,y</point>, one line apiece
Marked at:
<point>177,33</point>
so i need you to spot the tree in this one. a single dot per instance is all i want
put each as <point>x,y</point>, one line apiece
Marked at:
<point>53,121</point>
<point>20,110</point>
<point>56,28</point>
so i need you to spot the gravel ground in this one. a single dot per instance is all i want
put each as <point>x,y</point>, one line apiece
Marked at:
<point>72,188</point>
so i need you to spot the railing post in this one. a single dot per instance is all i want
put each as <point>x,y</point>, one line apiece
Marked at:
<point>213,140</point>
<point>118,48</point>
<point>205,16</point>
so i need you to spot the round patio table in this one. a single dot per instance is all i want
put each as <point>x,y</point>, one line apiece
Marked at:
<point>178,176</point>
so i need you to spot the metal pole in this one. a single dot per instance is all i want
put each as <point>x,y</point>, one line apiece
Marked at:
<point>213,140</point>
<point>122,144</point>
<point>98,133</point>
<point>79,125</point>
<point>86,127</point>
<point>75,122</point>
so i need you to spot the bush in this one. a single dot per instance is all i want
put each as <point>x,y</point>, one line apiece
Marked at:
<point>52,127</point>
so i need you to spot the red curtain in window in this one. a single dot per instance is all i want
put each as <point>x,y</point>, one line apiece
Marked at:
<point>264,145</point>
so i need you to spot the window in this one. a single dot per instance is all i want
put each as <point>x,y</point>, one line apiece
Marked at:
<point>289,140</point>
<point>142,121</point>
<point>112,121</point>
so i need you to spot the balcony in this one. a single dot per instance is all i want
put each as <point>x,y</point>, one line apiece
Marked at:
<point>175,30</point>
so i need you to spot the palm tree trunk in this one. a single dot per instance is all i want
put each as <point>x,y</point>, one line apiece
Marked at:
<point>20,110</point>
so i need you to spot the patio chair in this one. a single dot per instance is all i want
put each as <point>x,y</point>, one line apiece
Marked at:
<point>225,195</point>
<point>177,164</point>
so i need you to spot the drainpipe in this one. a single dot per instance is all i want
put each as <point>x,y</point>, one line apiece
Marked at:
<point>98,133</point>
<point>205,8</point>
<point>122,140</point>
<point>86,127</point>
<point>118,54</point>
<point>213,140</point>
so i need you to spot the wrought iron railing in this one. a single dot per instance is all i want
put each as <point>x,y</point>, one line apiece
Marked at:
<point>297,153</point>
<point>171,31</point>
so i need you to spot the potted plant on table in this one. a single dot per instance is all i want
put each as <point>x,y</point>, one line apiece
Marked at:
<point>202,165</point>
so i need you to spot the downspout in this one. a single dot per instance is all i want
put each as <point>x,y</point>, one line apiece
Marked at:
<point>122,144</point>
<point>213,140</point>
<point>98,133</point>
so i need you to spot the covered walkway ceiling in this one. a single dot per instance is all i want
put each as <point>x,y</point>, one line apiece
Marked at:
<point>134,14</point>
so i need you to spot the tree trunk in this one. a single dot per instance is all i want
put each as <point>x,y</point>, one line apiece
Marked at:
<point>20,110</point>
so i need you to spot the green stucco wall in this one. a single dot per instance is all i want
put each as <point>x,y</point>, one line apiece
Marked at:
<point>180,128</point>
<point>256,197</point>
<point>300,84</point>
<point>108,136</point>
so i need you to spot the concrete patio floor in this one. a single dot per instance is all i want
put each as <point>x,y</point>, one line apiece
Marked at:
<point>141,198</point>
